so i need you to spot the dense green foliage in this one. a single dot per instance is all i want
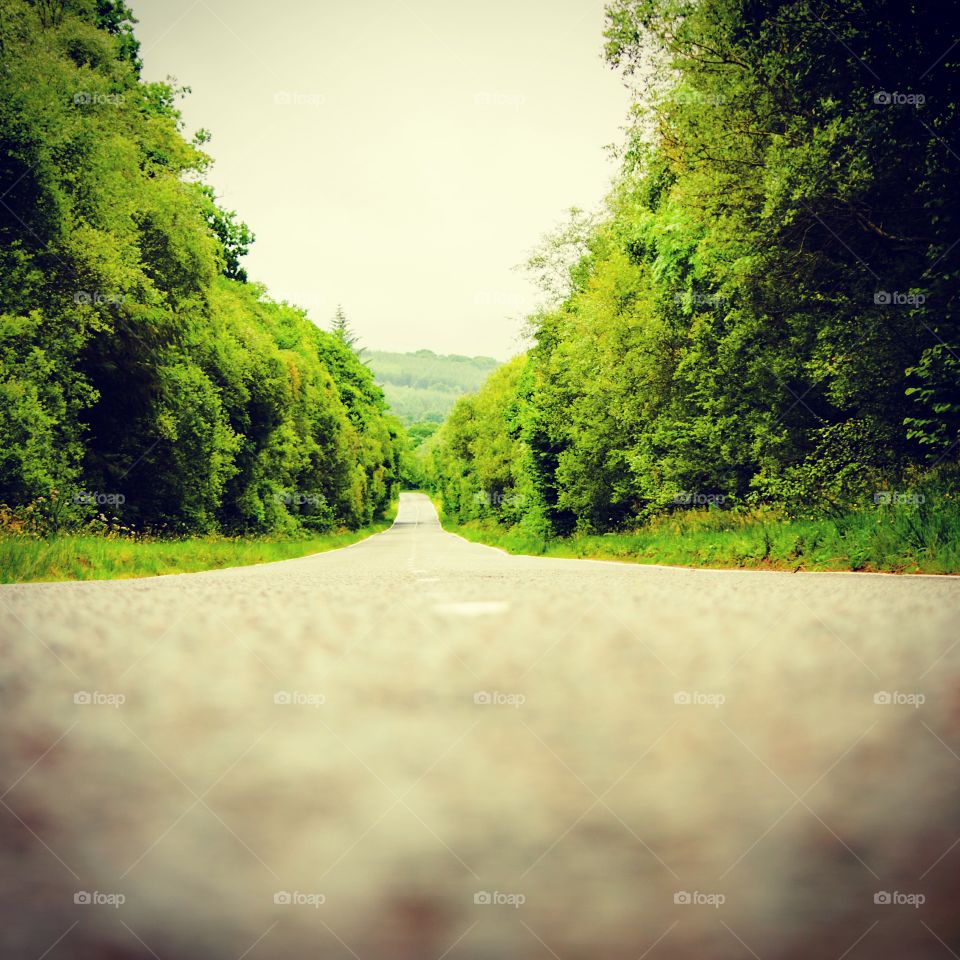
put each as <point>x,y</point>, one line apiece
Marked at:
<point>141,377</point>
<point>766,311</point>
<point>424,386</point>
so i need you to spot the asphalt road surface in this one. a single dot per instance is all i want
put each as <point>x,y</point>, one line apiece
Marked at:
<point>417,748</point>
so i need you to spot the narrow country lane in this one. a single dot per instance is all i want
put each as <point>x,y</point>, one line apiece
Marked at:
<point>418,748</point>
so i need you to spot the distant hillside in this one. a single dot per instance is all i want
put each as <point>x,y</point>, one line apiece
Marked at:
<point>424,386</point>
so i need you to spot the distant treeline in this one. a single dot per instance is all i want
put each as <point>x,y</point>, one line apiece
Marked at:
<point>423,386</point>
<point>766,312</point>
<point>141,376</point>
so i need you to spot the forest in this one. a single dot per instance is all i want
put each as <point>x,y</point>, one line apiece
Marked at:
<point>145,383</point>
<point>760,321</point>
<point>764,315</point>
<point>423,386</point>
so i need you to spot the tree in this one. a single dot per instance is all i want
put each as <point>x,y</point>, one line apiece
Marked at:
<point>766,309</point>
<point>135,362</point>
<point>341,329</point>
<point>234,235</point>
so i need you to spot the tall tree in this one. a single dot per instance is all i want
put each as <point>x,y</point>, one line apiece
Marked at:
<point>341,329</point>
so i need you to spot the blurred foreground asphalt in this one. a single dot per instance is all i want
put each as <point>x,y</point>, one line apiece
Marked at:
<point>418,748</point>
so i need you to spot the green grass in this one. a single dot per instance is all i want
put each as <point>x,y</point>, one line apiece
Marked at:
<point>896,540</point>
<point>90,557</point>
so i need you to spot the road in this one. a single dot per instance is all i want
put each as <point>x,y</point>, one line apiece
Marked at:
<point>418,748</point>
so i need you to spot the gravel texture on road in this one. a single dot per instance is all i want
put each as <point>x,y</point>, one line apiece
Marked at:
<point>417,748</point>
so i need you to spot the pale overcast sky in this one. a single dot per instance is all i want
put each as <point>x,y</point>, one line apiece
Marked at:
<point>397,156</point>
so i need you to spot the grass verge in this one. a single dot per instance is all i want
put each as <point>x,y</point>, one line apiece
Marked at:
<point>916,541</point>
<point>91,557</point>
